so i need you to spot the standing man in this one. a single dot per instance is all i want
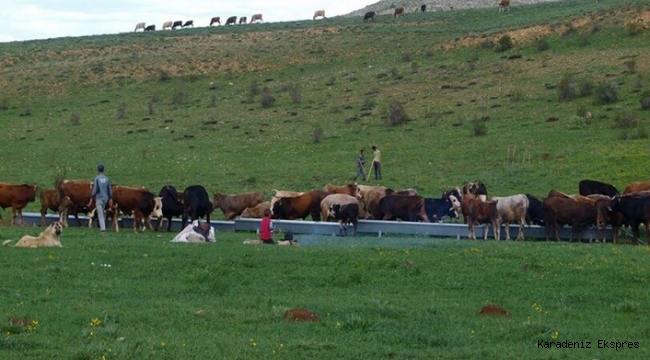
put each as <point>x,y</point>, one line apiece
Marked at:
<point>102,195</point>
<point>361,170</point>
<point>376,162</point>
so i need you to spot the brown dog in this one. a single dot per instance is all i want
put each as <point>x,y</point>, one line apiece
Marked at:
<point>50,237</point>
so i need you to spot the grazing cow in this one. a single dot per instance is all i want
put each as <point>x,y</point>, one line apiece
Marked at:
<point>140,26</point>
<point>172,205</point>
<point>242,20</point>
<point>233,205</point>
<point>16,196</point>
<point>504,5</point>
<point>476,212</point>
<point>138,201</point>
<point>79,192</point>
<point>231,20</point>
<point>167,25</point>
<point>589,187</point>
<point>513,209</point>
<point>215,20</point>
<point>300,207</point>
<point>559,210</point>
<point>635,208</point>
<point>50,200</point>
<point>150,28</point>
<point>257,211</point>
<point>636,187</point>
<point>178,23</point>
<point>423,8</point>
<point>535,212</point>
<point>351,189</point>
<point>319,13</point>
<point>197,204</point>
<point>188,23</point>
<point>399,11</point>
<point>256,17</point>
<point>345,214</point>
<point>437,209</point>
<point>369,16</point>
<point>605,216</point>
<point>401,207</point>
<point>340,199</point>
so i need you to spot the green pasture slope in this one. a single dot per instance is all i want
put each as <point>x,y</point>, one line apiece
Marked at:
<point>137,296</point>
<point>291,103</point>
<point>143,105</point>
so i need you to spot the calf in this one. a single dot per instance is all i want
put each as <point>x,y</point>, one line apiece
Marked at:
<point>242,20</point>
<point>172,205</point>
<point>475,212</point>
<point>605,216</point>
<point>401,207</point>
<point>17,196</point>
<point>50,200</point>
<point>197,204</point>
<point>560,210</point>
<point>233,205</point>
<point>535,212</point>
<point>513,209</point>
<point>590,187</point>
<point>345,214</point>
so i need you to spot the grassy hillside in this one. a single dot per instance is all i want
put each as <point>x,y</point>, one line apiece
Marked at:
<point>288,105</point>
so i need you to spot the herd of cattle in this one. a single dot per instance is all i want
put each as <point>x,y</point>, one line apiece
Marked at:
<point>368,16</point>
<point>597,204</point>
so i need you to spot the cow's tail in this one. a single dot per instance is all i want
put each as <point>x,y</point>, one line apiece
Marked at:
<point>6,242</point>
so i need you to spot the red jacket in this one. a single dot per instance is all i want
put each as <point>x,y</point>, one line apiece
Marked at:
<point>265,229</point>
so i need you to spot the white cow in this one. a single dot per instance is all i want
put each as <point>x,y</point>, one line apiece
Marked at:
<point>513,209</point>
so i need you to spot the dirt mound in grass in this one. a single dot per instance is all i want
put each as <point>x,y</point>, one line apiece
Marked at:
<point>493,310</point>
<point>302,315</point>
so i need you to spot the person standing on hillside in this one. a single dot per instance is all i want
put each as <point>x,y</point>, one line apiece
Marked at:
<point>376,162</point>
<point>102,195</point>
<point>361,170</point>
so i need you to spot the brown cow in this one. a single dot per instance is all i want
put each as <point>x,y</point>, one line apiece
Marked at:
<point>319,13</point>
<point>559,210</point>
<point>504,5</point>
<point>475,212</point>
<point>256,17</point>
<point>16,196</point>
<point>137,201</point>
<point>215,20</point>
<point>300,207</point>
<point>50,200</point>
<point>371,195</point>
<point>399,11</point>
<point>636,187</point>
<point>79,192</point>
<point>350,189</point>
<point>401,207</point>
<point>257,211</point>
<point>283,193</point>
<point>233,205</point>
<point>605,216</point>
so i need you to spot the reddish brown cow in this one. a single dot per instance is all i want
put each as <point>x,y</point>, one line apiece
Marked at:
<point>636,187</point>
<point>50,200</point>
<point>137,201</point>
<point>215,20</point>
<point>350,189</point>
<point>475,212</point>
<point>504,5</point>
<point>300,207</point>
<point>257,211</point>
<point>233,205</point>
<point>559,210</point>
<point>16,196</point>
<point>401,207</point>
<point>399,11</point>
<point>605,216</point>
<point>79,192</point>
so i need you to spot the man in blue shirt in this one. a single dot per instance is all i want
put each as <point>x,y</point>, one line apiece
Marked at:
<point>102,194</point>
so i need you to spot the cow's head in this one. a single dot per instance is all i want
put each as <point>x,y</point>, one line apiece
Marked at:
<point>334,211</point>
<point>157,207</point>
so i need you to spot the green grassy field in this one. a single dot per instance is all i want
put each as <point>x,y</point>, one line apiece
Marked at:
<point>138,296</point>
<point>195,107</point>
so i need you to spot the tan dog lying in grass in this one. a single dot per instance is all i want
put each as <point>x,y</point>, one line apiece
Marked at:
<point>50,237</point>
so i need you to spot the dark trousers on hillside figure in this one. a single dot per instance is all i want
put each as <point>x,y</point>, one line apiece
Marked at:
<point>377,167</point>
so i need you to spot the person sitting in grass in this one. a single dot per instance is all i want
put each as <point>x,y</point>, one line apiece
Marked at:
<point>266,232</point>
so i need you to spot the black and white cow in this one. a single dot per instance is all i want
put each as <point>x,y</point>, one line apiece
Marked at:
<point>345,214</point>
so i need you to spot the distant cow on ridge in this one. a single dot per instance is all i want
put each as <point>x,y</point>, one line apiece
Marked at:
<point>189,23</point>
<point>399,11</point>
<point>504,5</point>
<point>369,16</point>
<point>256,17</point>
<point>150,28</point>
<point>215,20</point>
<point>178,23</point>
<point>319,13</point>
<point>167,25</point>
<point>140,26</point>
<point>231,20</point>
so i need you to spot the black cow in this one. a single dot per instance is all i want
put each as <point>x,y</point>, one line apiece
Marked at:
<point>635,208</point>
<point>178,23</point>
<point>590,187</point>
<point>150,28</point>
<point>423,8</point>
<point>437,209</point>
<point>189,23</point>
<point>369,16</point>
<point>196,204</point>
<point>242,20</point>
<point>171,206</point>
<point>345,214</point>
<point>402,207</point>
<point>535,212</point>
<point>231,20</point>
